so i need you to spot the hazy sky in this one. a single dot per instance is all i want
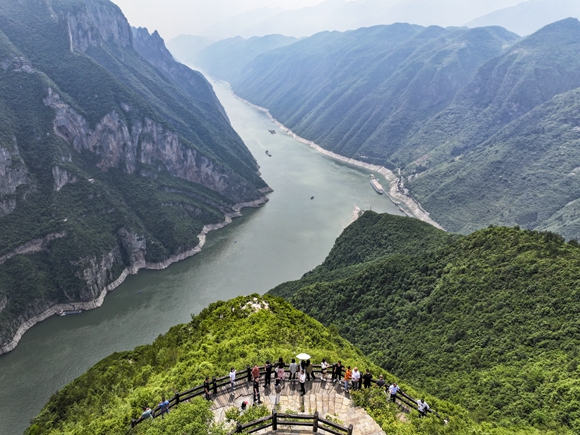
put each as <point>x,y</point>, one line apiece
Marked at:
<point>174,17</point>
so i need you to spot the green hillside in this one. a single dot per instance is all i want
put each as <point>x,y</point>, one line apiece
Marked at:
<point>239,332</point>
<point>227,59</point>
<point>488,321</point>
<point>106,164</point>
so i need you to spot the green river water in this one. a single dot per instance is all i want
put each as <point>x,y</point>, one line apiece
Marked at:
<point>278,242</point>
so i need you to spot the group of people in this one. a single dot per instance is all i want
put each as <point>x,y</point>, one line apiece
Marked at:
<point>300,372</point>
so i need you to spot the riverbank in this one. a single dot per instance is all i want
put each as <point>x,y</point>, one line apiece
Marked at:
<point>98,302</point>
<point>411,206</point>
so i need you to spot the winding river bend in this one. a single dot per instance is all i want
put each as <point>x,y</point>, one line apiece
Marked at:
<point>276,243</point>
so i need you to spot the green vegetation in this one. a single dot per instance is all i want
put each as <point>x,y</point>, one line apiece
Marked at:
<point>488,320</point>
<point>483,124</point>
<point>116,203</point>
<point>240,332</point>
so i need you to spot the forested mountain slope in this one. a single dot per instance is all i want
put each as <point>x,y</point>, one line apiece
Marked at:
<point>457,110</point>
<point>238,333</point>
<point>227,59</point>
<point>106,164</point>
<point>488,320</point>
<point>362,93</point>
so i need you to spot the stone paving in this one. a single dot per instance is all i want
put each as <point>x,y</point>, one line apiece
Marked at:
<point>327,398</point>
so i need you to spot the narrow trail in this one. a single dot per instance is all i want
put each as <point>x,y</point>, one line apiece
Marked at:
<point>327,398</point>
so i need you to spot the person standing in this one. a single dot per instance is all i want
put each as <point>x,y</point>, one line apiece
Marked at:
<point>302,380</point>
<point>323,369</point>
<point>281,373</point>
<point>337,372</point>
<point>163,407</point>
<point>278,389</point>
<point>293,369</point>
<point>393,390</point>
<point>381,382</point>
<point>256,373</point>
<point>347,378</point>
<point>355,379</point>
<point>257,391</point>
<point>422,407</point>
<point>309,370</point>
<point>232,379</point>
<point>206,388</point>
<point>367,378</point>
<point>268,374</point>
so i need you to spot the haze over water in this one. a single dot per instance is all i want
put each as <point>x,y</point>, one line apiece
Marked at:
<point>278,242</point>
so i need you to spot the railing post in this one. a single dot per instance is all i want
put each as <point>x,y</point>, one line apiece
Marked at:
<point>176,398</point>
<point>315,423</point>
<point>214,385</point>
<point>249,374</point>
<point>238,427</point>
<point>350,430</point>
<point>274,420</point>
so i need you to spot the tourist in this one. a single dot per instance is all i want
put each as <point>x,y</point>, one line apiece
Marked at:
<point>281,365</point>
<point>337,372</point>
<point>422,407</point>
<point>393,389</point>
<point>268,374</point>
<point>367,378</point>
<point>293,369</point>
<point>232,379</point>
<point>309,370</point>
<point>302,380</point>
<point>347,378</point>
<point>278,389</point>
<point>257,391</point>
<point>206,388</point>
<point>323,369</point>
<point>256,373</point>
<point>380,382</point>
<point>163,407</point>
<point>355,379</point>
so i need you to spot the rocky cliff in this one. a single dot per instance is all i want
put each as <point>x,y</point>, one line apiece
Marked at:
<point>108,163</point>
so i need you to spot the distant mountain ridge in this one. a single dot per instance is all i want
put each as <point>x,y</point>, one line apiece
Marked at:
<point>107,163</point>
<point>529,16</point>
<point>442,105</point>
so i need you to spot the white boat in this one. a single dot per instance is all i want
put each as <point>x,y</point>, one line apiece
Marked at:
<point>376,185</point>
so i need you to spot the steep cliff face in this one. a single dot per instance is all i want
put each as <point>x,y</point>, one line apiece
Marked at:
<point>97,23</point>
<point>107,164</point>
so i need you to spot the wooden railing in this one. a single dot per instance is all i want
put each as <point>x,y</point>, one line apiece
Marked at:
<point>276,421</point>
<point>246,375</point>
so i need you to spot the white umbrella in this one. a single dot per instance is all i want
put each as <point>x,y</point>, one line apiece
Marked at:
<point>303,356</point>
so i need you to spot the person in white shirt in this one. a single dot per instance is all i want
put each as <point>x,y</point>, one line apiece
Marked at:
<point>355,379</point>
<point>302,380</point>
<point>323,369</point>
<point>232,379</point>
<point>393,390</point>
<point>422,407</point>
<point>293,369</point>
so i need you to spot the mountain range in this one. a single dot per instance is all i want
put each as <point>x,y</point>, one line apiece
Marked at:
<point>479,121</point>
<point>113,158</point>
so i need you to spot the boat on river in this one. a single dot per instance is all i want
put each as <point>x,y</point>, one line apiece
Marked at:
<point>376,185</point>
<point>69,312</point>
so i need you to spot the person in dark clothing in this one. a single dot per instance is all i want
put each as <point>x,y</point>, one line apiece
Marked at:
<point>268,374</point>
<point>381,382</point>
<point>303,365</point>
<point>206,389</point>
<point>367,377</point>
<point>336,372</point>
<point>309,370</point>
<point>257,392</point>
<point>302,381</point>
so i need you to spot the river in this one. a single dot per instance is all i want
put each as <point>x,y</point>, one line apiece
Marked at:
<point>278,242</point>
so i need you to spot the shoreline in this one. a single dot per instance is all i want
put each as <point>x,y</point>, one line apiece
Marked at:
<point>414,207</point>
<point>132,270</point>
